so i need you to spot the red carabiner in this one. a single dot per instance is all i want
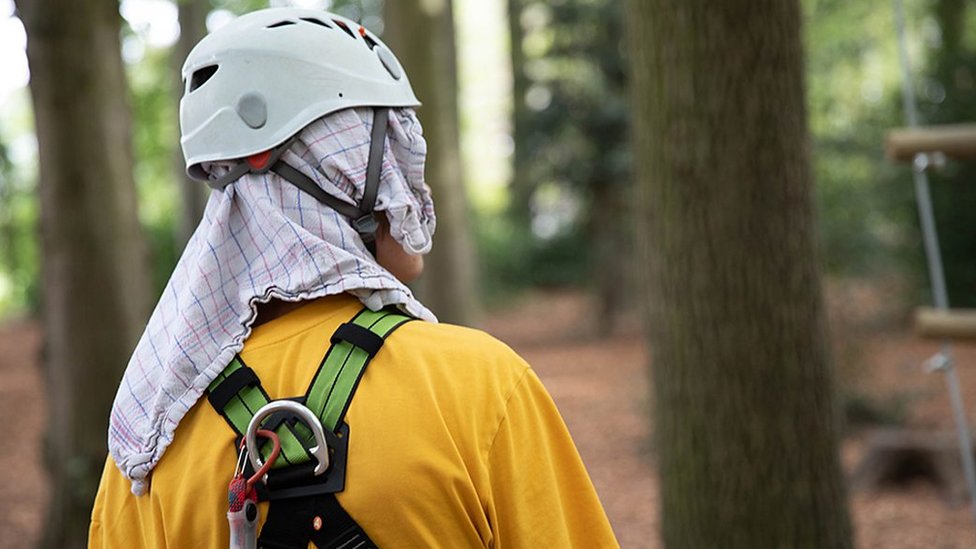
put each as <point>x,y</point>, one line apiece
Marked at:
<point>260,473</point>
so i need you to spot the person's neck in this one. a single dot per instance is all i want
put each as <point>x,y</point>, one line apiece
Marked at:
<point>276,308</point>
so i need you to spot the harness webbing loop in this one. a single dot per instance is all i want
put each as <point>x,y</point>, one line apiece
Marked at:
<point>240,407</point>
<point>358,336</point>
<point>232,384</point>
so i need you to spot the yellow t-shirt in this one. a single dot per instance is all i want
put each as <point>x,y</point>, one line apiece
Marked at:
<point>453,443</point>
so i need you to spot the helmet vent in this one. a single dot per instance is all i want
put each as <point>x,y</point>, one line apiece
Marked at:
<point>280,24</point>
<point>200,76</point>
<point>369,41</point>
<point>315,21</point>
<point>344,27</point>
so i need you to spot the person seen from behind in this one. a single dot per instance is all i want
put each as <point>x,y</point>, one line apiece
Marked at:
<point>289,391</point>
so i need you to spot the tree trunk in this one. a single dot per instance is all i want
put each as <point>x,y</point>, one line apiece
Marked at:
<point>522,186</point>
<point>610,185</point>
<point>745,418</point>
<point>611,253</point>
<point>95,272</point>
<point>421,33</point>
<point>193,194</point>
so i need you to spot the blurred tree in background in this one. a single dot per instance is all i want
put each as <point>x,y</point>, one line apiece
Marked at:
<point>95,270</point>
<point>423,39</point>
<point>155,132</point>
<point>569,195</point>
<point>746,434</point>
<point>192,16</point>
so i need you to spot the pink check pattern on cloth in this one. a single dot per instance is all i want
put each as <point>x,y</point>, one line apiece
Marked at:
<point>263,238</point>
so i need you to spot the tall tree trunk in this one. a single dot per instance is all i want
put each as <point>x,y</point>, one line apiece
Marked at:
<point>745,418</point>
<point>95,272</point>
<point>193,194</point>
<point>421,33</point>
<point>611,251</point>
<point>522,186</point>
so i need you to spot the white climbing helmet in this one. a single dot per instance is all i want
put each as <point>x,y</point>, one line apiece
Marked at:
<point>259,80</point>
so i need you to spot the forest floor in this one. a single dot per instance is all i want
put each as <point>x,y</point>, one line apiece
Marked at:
<point>601,385</point>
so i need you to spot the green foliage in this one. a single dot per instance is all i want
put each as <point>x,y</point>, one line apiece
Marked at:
<point>19,264</point>
<point>556,262</point>
<point>866,204</point>
<point>948,95</point>
<point>573,136</point>
<point>152,85</point>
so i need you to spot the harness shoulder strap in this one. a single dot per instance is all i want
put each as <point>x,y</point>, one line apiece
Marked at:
<point>354,344</point>
<point>237,394</point>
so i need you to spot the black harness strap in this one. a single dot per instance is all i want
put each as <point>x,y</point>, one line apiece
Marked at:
<point>358,336</point>
<point>285,528</point>
<point>345,532</point>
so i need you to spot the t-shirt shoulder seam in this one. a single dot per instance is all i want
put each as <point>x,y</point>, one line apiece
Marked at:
<point>503,415</point>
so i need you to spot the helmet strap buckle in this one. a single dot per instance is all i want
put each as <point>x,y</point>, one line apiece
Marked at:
<point>366,226</point>
<point>259,163</point>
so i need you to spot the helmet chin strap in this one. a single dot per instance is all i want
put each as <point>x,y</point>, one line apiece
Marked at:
<point>361,217</point>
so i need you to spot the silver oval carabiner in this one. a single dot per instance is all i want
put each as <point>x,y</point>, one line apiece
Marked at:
<point>321,449</point>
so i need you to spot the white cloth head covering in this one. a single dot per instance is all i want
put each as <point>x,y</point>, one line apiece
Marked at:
<point>263,238</point>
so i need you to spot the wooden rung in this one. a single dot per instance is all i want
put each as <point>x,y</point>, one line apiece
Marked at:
<point>939,324</point>
<point>954,140</point>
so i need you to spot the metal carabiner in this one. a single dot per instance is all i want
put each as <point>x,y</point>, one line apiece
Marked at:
<point>321,449</point>
<point>243,513</point>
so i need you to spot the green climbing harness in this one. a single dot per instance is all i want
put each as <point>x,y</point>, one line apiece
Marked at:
<point>305,477</point>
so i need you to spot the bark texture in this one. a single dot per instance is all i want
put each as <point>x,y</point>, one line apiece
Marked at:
<point>421,33</point>
<point>95,275</point>
<point>745,419</point>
